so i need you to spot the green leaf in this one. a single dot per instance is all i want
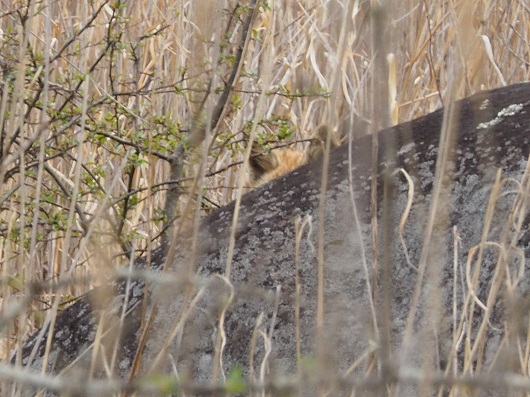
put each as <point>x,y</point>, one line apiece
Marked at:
<point>235,383</point>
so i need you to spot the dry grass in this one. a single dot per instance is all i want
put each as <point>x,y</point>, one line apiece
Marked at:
<point>96,96</point>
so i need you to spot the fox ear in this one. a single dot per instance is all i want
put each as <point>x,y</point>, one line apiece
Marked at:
<point>318,142</point>
<point>261,162</point>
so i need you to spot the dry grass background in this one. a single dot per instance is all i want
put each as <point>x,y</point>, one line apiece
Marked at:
<point>96,97</point>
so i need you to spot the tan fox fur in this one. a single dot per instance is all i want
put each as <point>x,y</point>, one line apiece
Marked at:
<point>264,167</point>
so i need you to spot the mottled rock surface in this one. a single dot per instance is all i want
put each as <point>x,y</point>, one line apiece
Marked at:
<point>491,132</point>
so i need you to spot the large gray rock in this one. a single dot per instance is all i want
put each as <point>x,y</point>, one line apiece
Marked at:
<point>428,304</point>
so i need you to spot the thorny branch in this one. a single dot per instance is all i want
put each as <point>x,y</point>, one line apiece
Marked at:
<point>197,131</point>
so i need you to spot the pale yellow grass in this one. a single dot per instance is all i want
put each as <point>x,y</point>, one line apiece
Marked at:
<point>146,68</point>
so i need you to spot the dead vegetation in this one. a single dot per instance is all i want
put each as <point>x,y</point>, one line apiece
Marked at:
<point>108,108</point>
